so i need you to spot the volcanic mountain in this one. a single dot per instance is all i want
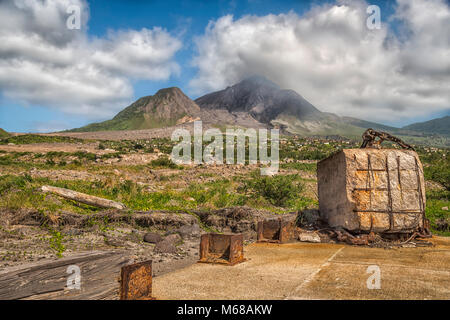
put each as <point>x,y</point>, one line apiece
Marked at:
<point>166,108</point>
<point>263,99</point>
<point>266,102</point>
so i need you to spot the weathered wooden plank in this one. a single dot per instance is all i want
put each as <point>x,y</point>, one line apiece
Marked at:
<point>99,272</point>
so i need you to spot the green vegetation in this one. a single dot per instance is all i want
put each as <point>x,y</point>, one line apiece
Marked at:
<point>312,149</point>
<point>300,166</point>
<point>163,145</point>
<point>437,126</point>
<point>56,242</point>
<point>436,166</point>
<point>3,134</point>
<point>34,138</point>
<point>279,190</point>
<point>164,162</point>
<point>436,200</point>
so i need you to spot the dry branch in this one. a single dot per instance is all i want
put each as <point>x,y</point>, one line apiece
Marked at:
<point>83,198</point>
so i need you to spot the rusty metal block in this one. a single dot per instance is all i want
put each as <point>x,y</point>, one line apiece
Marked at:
<point>136,281</point>
<point>275,230</point>
<point>222,248</point>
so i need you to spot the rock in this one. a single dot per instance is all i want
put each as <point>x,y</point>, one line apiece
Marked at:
<point>309,237</point>
<point>152,237</point>
<point>187,231</point>
<point>165,247</point>
<point>444,208</point>
<point>443,224</point>
<point>309,217</point>
<point>173,238</point>
<point>74,232</point>
<point>113,242</point>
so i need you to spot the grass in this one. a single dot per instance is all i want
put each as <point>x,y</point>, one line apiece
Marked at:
<point>308,167</point>
<point>3,134</point>
<point>56,242</point>
<point>279,190</point>
<point>164,162</point>
<point>272,193</point>
<point>436,200</point>
<point>34,138</point>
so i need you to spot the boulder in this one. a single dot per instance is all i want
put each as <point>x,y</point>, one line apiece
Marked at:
<point>165,246</point>
<point>152,237</point>
<point>188,231</point>
<point>173,238</point>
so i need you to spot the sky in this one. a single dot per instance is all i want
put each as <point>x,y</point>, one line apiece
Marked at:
<point>53,77</point>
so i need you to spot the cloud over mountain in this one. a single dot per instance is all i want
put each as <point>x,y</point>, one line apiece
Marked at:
<point>43,62</point>
<point>332,58</point>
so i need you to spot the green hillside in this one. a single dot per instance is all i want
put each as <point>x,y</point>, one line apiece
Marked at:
<point>161,110</point>
<point>435,126</point>
<point>4,134</point>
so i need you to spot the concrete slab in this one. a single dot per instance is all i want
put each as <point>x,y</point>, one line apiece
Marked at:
<point>316,271</point>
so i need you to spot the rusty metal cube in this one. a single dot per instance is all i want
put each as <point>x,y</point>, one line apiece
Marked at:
<point>222,248</point>
<point>136,281</point>
<point>275,230</point>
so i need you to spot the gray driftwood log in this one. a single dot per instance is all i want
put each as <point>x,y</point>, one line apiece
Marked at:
<point>99,271</point>
<point>83,198</point>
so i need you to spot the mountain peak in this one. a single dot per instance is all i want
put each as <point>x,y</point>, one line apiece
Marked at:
<point>260,97</point>
<point>258,80</point>
<point>163,109</point>
<point>169,90</point>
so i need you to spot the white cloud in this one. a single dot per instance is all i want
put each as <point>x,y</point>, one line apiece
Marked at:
<point>331,58</point>
<point>43,62</point>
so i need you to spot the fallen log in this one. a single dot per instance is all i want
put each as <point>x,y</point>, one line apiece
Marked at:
<point>98,277</point>
<point>83,198</point>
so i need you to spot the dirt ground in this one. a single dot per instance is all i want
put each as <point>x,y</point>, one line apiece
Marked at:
<point>316,271</point>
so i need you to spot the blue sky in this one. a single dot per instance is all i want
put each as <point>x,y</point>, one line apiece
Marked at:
<point>186,21</point>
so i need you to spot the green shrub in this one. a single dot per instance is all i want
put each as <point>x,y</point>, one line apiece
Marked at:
<point>56,242</point>
<point>439,172</point>
<point>279,190</point>
<point>8,182</point>
<point>164,162</point>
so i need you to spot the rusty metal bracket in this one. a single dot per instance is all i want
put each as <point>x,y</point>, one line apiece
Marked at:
<point>222,248</point>
<point>370,139</point>
<point>275,230</point>
<point>136,281</point>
